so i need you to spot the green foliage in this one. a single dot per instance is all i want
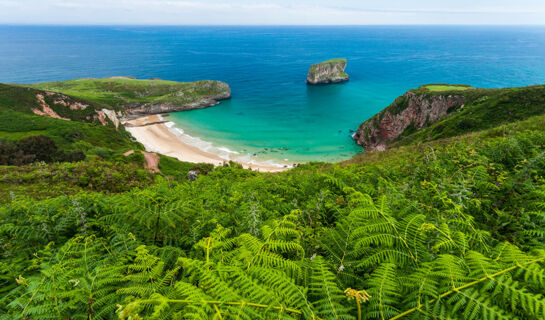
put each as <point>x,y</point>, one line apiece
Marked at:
<point>445,87</point>
<point>478,110</point>
<point>67,134</point>
<point>41,180</point>
<point>452,229</point>
<point>485,109</point>
<point>28,150</point>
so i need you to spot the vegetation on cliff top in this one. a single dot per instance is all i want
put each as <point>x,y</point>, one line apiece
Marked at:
<point>453,229</point>
<point>118,92</point>
<point>484,109</point>
<point>481,109</point>
<point>332,61</point>
<point>446,87</point>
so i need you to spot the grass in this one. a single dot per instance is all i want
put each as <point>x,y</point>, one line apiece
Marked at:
<point>416,149</point>
<point>436,88</point>
<point>485,109</point>
<point>82,134</point>
<point>67,134</point>
<point>119,92</point>
<point>41,180</point>
<point>333,61</point>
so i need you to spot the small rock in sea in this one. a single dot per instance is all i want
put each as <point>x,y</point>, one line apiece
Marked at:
<point>340,131</point>
<point>341,147</point>
<point>192,175</point>
<point>255,154</point>
<point>351,131</point>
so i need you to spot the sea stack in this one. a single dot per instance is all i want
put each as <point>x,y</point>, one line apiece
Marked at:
<point>330,71</point>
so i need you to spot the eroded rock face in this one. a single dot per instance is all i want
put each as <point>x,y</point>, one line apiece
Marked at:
<point>46,110</point>
<point>110,114</point>
<point>331,71</point>
<point>62,101</point>
<point>418,110</point>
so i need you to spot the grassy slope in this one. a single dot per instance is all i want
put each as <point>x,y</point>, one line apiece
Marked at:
<point>490,177</point>
<point>120,91</point>
<point>19,121</point>
<point>440,87</point>
<point>106,169</point>
<point>484,109</point>
<point>23,99</point>
<point>494,177</point>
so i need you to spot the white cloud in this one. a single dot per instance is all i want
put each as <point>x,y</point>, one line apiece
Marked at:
<point>272,12</point>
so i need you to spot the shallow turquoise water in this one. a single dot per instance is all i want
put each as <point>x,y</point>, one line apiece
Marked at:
<point>272,108</point>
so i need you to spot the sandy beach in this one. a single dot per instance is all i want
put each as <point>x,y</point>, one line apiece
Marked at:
<point>152,132</point>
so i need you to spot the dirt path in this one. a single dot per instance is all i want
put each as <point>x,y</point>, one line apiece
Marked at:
<point>152,161</point>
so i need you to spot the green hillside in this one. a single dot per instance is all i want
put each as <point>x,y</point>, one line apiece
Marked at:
<point>449,225</point>
<point>447,111</point>
<point>483,109</point>
<point>121,91</point>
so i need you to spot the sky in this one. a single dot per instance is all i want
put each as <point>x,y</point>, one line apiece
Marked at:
<point>272,12</point>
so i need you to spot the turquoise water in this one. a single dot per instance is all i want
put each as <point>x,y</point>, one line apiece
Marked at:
<point>272,108</point>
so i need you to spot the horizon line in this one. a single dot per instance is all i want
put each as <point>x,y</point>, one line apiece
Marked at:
<point>269,25</point>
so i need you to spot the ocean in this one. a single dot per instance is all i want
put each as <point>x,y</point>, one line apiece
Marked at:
<point>273,114</point>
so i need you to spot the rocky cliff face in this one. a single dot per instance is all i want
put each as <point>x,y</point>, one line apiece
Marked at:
<point>331,71</point>
<point>206,95</point>
<point>411,111</point>
<point>52,104</point>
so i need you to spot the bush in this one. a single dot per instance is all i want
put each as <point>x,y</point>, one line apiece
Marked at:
<point>42,147</point>
<point>74,156</point>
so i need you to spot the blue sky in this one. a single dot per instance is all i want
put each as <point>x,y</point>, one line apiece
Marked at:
<point>242,12</point>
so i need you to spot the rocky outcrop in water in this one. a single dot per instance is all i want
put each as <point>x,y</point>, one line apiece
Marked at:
<point>331,71</point>
<point>412,111</point>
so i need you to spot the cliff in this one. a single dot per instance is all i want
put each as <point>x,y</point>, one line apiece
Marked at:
<point>410,112</point>
<point>56,105</point>
<point>199,95</point>
<point>136,97</point>
<point>331,71</point>
<point>433,112</point>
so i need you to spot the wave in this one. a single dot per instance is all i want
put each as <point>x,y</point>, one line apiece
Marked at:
<point>222,151</point>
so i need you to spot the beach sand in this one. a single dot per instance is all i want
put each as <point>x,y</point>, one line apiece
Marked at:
<point>156,137</point>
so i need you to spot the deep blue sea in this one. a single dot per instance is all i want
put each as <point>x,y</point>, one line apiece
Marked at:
<point>266,67</point>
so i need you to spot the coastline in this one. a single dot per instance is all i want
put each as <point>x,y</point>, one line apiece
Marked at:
<point>154,133</point>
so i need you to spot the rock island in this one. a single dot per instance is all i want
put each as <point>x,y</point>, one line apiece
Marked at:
<point>330,71</point>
